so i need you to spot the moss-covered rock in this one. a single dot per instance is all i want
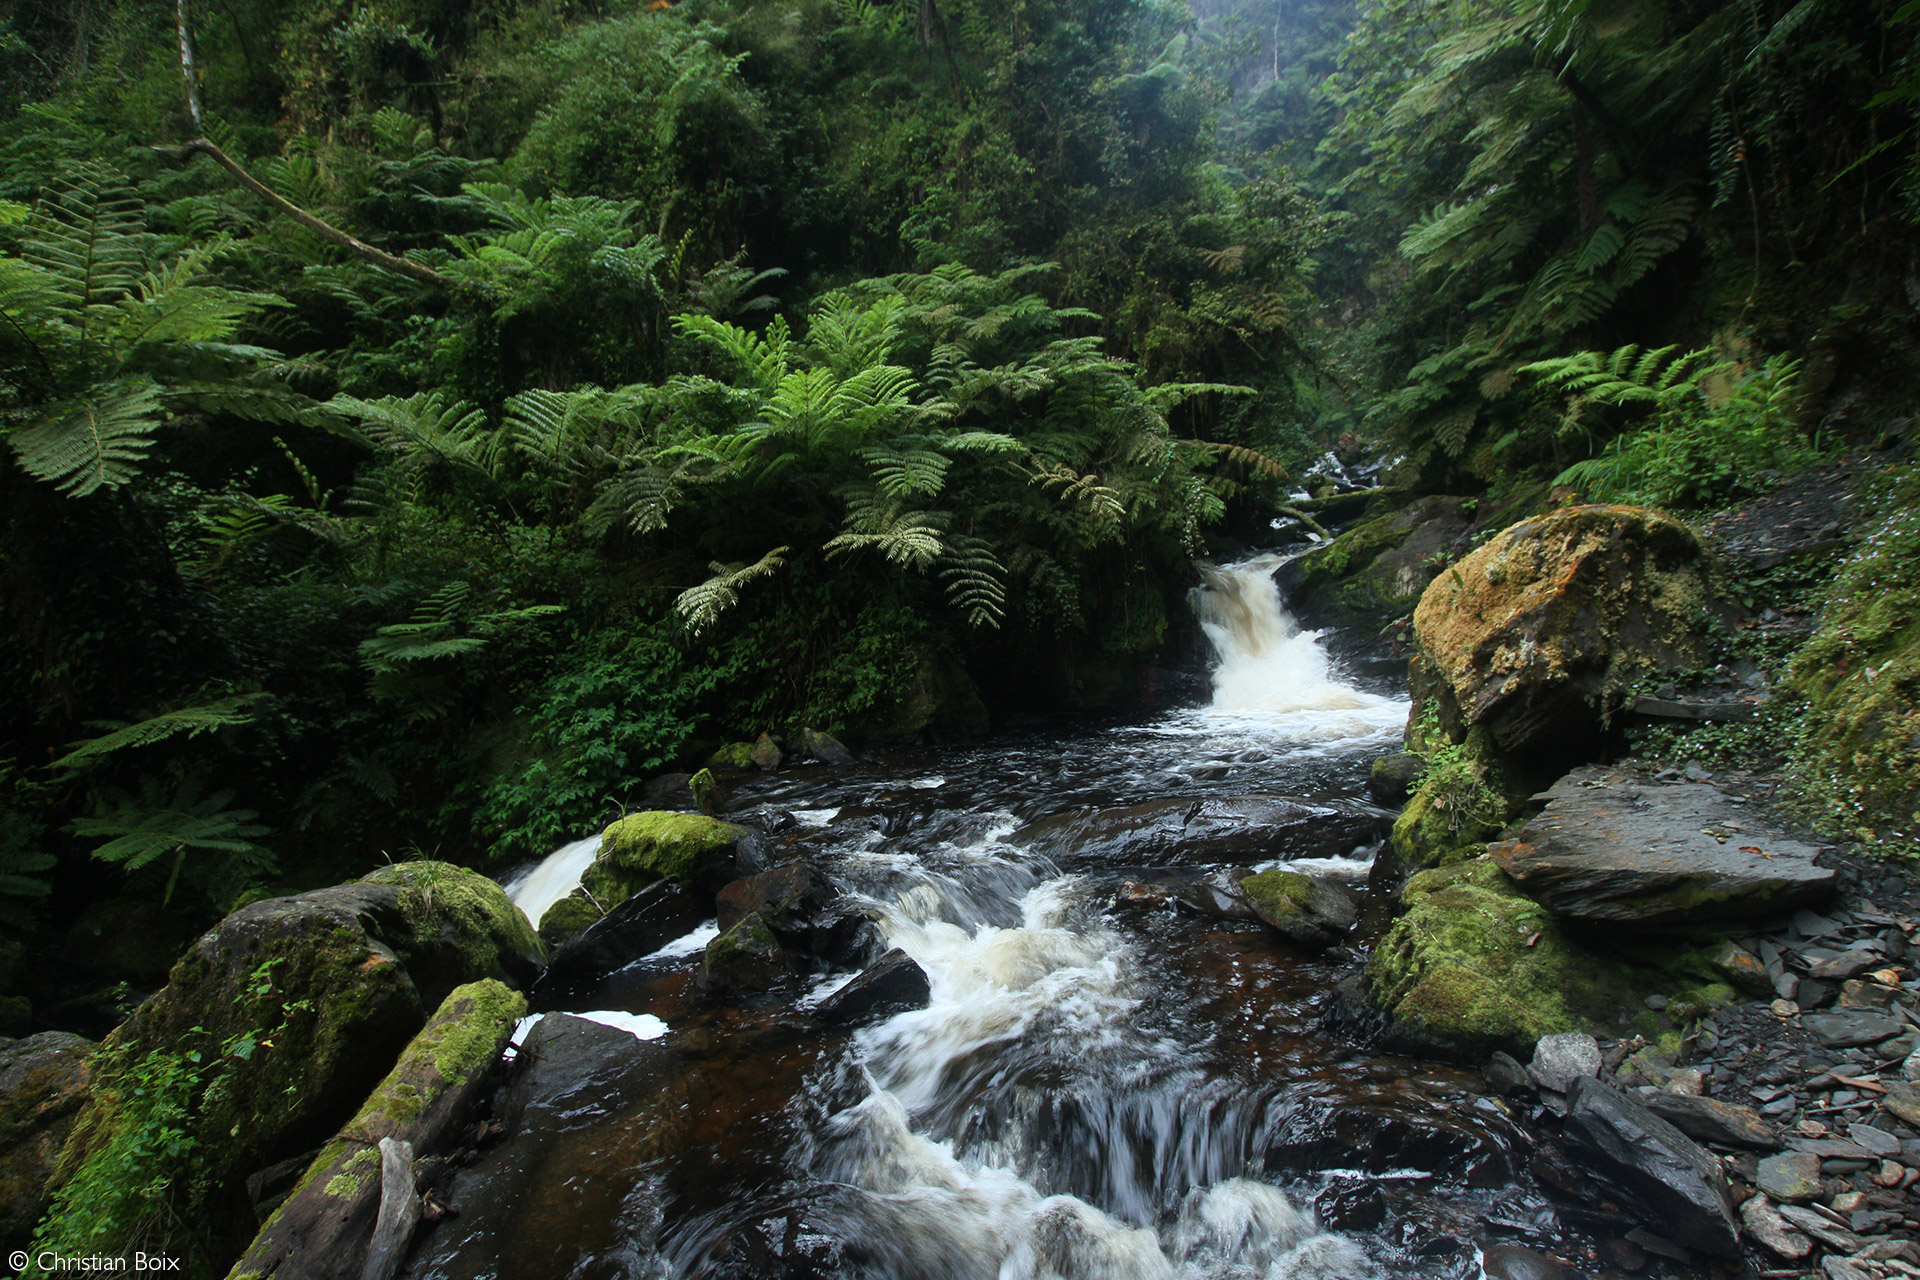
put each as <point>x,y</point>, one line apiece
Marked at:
<point>1475,966</point>
<point>1306,910</point>
<point>745,959</point>
<point>567,918</point>
<point>941,701</point>
<point>1377,570</point>
<point>1539,635</point>
<point>321,1230</point>
<point>1467,794</point>
<point>735,756</point>
<point>282,1018</point>
<point>1856,761</point>
<point>43,1082</point>
<point>640,848</point>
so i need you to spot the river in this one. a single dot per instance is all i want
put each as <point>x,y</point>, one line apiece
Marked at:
<point>1103,1085</point>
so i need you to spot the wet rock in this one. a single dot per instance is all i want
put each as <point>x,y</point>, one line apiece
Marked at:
<point>1675,1183</point>
<point>1517,1262</point>
<point>683,793</point>
<point>1559,1060</point>
<point>788,898</point>
<point>655,915</point>
<point>766,753</point>
<point>825,748</point>
<point>1765,1224</point>
<point>1182,830</point>
<point>746,959</point>
<point>321,1231</point>
<point>1308,911</point>
<point>1351,1206</point>
<point>1611,848</point>
<point>1820,1229</point>
<point>1217,896</point>
<point>1792,1175</point>
<point>574,1072</point>
<point>1711,1120</point>
<point>700,852</point>
<point>1506,1075</point>
<point>893,984</point>
<point>43,1084</point>
<point>1541,634</point>
<point>1391,779</point>
<point>735,757</point>
<point>1475,966</point>
<point>1851,1028</point>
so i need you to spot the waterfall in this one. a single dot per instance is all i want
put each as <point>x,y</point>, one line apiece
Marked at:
<point>555,878</point>
<point>1267,664</point>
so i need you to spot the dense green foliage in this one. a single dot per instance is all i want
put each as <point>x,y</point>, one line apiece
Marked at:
<point>770,365</point>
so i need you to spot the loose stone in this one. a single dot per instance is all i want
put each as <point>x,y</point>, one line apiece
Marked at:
<point>1794,1175</point>
<point>1764,1223</point>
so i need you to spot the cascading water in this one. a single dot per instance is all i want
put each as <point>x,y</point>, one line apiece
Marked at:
<point>1093,1091</point>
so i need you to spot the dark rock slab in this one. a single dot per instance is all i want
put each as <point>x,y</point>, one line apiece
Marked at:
<point>1852,1028</point>
<point>1182,830</point>
<point>655,915</point>
<point>1711,1120</point>
<point>1675,1183</point>
<point>1612,848</point>
<point>790,899</point>
<point>892,984</point>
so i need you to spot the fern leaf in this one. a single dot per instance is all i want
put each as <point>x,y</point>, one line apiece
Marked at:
<point>191,721</point>
<point>700,607</point>
<point>95,440</point>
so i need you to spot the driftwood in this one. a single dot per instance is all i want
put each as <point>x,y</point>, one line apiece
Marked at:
<point>399,1211</point>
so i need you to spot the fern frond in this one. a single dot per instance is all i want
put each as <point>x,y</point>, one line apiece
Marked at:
<point>976,580</point>
<point>94,440</point>
<point>701,606</point>
<point>191,721</point>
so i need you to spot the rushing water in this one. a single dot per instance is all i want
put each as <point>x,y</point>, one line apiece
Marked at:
<point>1096,1090</point>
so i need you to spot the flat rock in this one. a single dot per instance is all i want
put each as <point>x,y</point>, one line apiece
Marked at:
<point>1877,1141</point>
<point>1827,1233</point>
<point>1710,1120</point>
<point>1675,1182</point>
<point>1612,848</point>
<point>1847,964</point>
<point>1903,1103</point>
<point>1794,1175</point>
<point>1559,1060</point>
<point>1852,1028</point>
<point>1764,1223</point>
<point>1180,830</point>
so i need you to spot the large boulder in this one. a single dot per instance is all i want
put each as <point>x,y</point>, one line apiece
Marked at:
<point>1540,634</point>
<point>272,1029</point>
<point>1474,966</point>
<point>1179,830</point>
<point>1618,849</point>
<point>43,1083</point>
<point>700,852</point>
<point>322,1230</point>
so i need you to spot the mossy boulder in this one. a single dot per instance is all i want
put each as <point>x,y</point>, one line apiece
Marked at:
<point>568,918</point>
<point>43,1083</point>
<point>1539,636</point>
<point>1856,761</point>
<point>1474,966</point>
<point>287,1013</point>
<point>1377,570</point>
<point>700,852</point>
<point>746,959</point>
<point>735,757</point>
<point>1466,795</point>
<point>1306,910</point>
<point>321,1231</point>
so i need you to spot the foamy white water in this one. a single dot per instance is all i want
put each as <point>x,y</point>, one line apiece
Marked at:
<point>554,878</point>
<point>1269,667</point>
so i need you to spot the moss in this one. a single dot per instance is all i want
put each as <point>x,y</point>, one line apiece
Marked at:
<point>1281,894</point>
<point>706,791</point>
<point>568,918</point>
<point>749,937</point>
<point>464,912</point>
<point>1855,761</point>
<point>1465,797</point>
<point>735,756</point>
<point>1474,966</point>
<point>643,847</point>
<point>354,1174</point>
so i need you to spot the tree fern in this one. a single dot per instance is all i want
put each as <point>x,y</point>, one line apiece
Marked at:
<point>154,825</point>
<point>976,580</point>
<point>700,607</point>
<point>193,721</point>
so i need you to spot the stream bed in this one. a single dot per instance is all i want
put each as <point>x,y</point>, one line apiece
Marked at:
<point>1103,1084</point>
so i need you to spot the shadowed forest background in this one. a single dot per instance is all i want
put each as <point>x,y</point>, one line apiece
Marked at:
<point>871,367</point>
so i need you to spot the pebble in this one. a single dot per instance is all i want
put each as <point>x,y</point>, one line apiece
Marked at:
<point>1889,1174</point>
<point>1559,1060</point>
<point>1848,1201</point>
<point>1902,1102</point>
<point>1787,1008</point>
<point>1687,1082</point>
<point>1877,1141</point>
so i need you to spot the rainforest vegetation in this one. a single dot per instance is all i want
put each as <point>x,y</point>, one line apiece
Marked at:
<point>424,422</point>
